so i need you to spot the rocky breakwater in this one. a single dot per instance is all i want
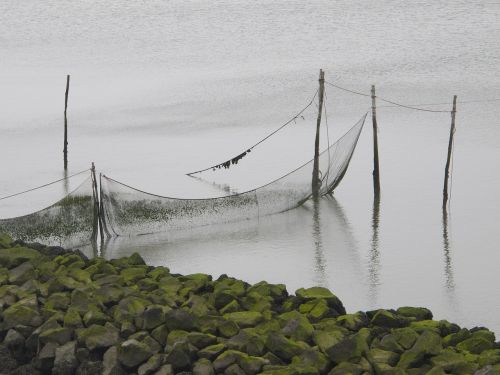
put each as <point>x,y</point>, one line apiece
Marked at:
<point>63,314</point>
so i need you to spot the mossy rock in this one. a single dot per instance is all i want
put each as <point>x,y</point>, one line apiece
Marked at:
<point>353,322</point>
<point>350,348</point>
<point>4,275</point>
<point>296,326</point>
<point>98,337</point>
<point>133,274</point>
<point>5,241</point>
<point>312,358</point>
<point>22,273</point>
<point>181,319</point>
<point>419,313</point>
<point>227,328</point>
<point>388,319</point>
<point>59,335</point>
<point>132,353</point>
<point>284,348</point>
<point>154,316</point>
<point>58,301</point>
<point>231,307</point>
<point>347,368</point>
<point>95,316</point>
<point>14,256</point>
<point>454,338</point>
<point>212,351</point>
<point>325,340</point>
<point>201,340</point>
<point>321,293</point>
<point>489,357</point>
<point>252,365</point>
<point>381,356</point>
<point>441,327</point>
<point>452,362</point>
<point>72,319</point>
<point>277,292</point>
<point>176,336</point>
<point>129,308</point>
<point>245,318</point>
<point>81,300</point>
<point>20,314</point>
<point>428,343</point>
<point>475,344</point>
<point>317,310</point>
<point>226,359</point>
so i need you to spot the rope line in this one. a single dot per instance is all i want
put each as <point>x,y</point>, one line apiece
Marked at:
<point>348,90</point>
<point>259,142</point>
<point>45,185</point>
<point>386,100</point>
<point>413,106</point>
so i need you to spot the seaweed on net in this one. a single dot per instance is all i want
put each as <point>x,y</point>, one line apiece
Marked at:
<point>69,222</point>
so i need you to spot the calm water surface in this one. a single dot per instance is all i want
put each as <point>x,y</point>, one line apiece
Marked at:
<point>161,88</point>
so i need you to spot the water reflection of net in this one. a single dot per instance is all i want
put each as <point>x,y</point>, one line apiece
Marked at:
<point>129,211</point>
<point>72,221</point>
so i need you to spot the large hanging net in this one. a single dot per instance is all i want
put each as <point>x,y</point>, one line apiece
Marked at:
<point>70,222</point>
<point>129,211</point>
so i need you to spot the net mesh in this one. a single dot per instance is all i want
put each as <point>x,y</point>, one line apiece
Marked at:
<point>70,222</point>
<point>129,211</point>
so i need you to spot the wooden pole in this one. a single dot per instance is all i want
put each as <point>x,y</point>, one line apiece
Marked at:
<point>65,151</point>
<point>450,150</point>
<point>316,181</point>
<point>376,172</point>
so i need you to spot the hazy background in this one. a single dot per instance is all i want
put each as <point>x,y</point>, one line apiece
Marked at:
<point>159,88</point>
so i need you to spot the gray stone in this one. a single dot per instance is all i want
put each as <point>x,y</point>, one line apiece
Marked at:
<point>165,370</point>
<point>22,273</point>
<point>65,362</point>
<point>89,368</point>
<point>179,356</point>
<point>132,353</point>
<point>203,367</point>
<point>14,341</point>
<point>110,363</point>
<point>152,364</point>
<point>45,359</point>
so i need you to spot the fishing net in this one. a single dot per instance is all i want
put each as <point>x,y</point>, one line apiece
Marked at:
<point>70,222</point>
<point>129,211</point>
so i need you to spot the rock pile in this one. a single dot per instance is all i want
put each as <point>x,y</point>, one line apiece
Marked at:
<point>63,314</point>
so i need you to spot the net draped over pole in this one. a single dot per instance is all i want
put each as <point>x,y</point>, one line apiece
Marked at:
<point>129,211</point>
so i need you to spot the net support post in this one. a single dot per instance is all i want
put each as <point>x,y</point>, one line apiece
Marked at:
<point>316,181</point>
<point>450,151</point>
<point>376,170</point>
<point>96,204</point>
<point>65,149</point>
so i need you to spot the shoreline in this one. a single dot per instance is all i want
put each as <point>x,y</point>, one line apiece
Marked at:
<point>62,313</point>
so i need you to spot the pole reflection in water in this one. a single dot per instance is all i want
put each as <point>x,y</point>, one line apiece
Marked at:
<point>448,266</point>
<point>319,256</point>
<point>374,261</point>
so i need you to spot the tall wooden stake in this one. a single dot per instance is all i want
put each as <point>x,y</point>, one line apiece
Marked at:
<point>376,172</point>
<point>316,181</point>
<point>65,151</point>
<point>450,150</point>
